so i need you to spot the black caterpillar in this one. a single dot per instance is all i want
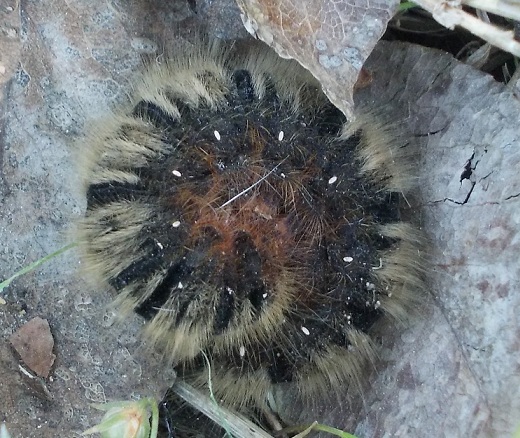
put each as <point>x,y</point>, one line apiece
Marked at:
<point>232,206</point>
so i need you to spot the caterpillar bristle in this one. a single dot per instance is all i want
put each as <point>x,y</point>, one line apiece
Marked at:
<point>383,153</point>
<point>231,205</point>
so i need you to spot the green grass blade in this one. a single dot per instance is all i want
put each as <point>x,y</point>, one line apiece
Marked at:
<point>35,264</point>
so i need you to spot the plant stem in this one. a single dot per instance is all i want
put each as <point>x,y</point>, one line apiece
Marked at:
<point>35,264</point>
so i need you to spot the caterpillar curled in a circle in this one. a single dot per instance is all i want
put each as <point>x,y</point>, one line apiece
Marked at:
<point>232,205</point>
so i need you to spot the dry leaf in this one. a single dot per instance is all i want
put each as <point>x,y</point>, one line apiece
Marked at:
<point>34,343</point>
<point>332,39</point>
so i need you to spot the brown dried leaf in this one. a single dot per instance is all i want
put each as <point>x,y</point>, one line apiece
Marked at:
<point>34,343</point>
<point>331,38</point>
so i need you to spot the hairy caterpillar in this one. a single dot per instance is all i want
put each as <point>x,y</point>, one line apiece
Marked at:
<point>231,205</point>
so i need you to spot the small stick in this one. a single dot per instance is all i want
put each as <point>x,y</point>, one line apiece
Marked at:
<point>504,8</point>
<point>243,192</point>
<point>238,426</point>
<point>449,14</point>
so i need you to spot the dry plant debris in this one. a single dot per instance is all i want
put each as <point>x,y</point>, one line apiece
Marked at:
<point>332,39</point>
<point>449,13</point>
<point>33,341</point>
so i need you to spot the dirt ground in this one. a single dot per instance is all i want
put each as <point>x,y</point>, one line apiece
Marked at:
<point>455,372</point>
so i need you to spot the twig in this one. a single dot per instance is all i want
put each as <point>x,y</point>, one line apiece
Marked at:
<point>503,8</point>
<point>449,14</point>
<point>243,192</point>
<point>238,426</point>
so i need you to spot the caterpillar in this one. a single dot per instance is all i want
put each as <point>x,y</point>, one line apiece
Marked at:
<point>232,205</point>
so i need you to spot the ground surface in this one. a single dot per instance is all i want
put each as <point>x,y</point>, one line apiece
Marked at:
<point>455,372</point>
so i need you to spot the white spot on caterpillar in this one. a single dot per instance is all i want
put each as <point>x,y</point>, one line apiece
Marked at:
<point>216,134</point>
<point>370,286</point>
<point>377,305</point>
<point>280,135</point>
<point>333,180</point>
<point>264,296</point>
<point>176,224</point>
<point>242,351</point>
<point>283,175</point>
<point>348,259</point>
<point>180,285</point>
<point>176,173</point>
<point>306,331</point>
<point>229,290</point>
<point>159,244</point>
